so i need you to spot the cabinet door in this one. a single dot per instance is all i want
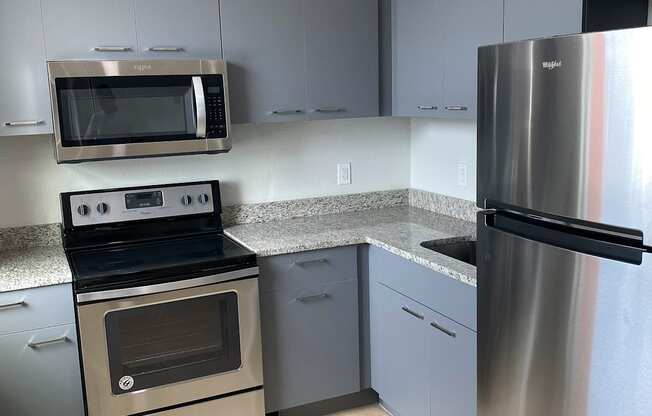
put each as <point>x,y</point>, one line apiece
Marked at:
<point>25,103</point>
<point>451,367</point>
<point>417,58</point>
<point>398,351</point>
<point>528,19</point>
<point>342,66</point>
<point>171,29</point>
<point>263,44</point>
<point>89,29</point>
<point>310,344</point>
<point>41,380</point>
<point>469,25</point>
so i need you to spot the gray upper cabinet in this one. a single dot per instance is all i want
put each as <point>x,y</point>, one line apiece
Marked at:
<point>263,44</point>
<point>171,29</point>
<point>468,24</point>
<point>25,103</point>
<point>528,19</point>
<point>417,73</point>
<point>90,29</point>
<point>342,58</point>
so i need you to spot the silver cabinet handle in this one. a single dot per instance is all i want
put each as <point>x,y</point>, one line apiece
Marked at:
<point>164,49</point>
<point>62,338</point>
<point>411,312</point>
<point>200,103</point>
<point>313,298</point>
<point>285,112</point>
<point>13,304</point>
<point>427,107</point>
<point>306,262</point>
<point>456,108</point>
<point>111,49</point>
<point>448,332</point>
<point>329,110</point>
<point>23,123</point>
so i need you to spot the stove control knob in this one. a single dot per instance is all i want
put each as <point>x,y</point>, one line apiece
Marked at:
<point>186,200</point>
<point>83,210</point>
<point>203,199</point>
<point>102,208</point>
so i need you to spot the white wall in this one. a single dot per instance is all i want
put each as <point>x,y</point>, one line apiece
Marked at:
<point>267,163</point>
<point>439,147</point>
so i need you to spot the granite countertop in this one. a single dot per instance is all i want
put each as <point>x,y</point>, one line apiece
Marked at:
<point>31,267</point>
<point>399,230</point>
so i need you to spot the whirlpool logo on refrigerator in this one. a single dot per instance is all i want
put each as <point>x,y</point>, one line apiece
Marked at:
<point>551,65</point>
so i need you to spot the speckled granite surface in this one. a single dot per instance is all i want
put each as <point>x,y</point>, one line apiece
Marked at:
<point>32,257</point>
<point>400,230</point>
<point>443,204</point>
<point>273,211</point>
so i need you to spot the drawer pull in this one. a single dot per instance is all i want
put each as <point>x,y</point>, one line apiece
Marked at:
<point>307,262</point>
<point>111,49</point>
<point>329,110</point>
<point>58,340</point>
<point>285,112</point>
<point>313,298</point>
<point>23,123</point>
<point>13,304</point>
<point>164,49</point>
<point>457,108</point>
<point>411,312</point>
<point>446,331</point>
<point>427,107</point>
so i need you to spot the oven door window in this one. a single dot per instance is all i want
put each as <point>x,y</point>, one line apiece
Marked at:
<point>170,342</point>
<point>127,109</point>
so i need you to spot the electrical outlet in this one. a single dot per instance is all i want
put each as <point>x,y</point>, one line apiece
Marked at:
<point>462,175</point>
<point>344,174</point>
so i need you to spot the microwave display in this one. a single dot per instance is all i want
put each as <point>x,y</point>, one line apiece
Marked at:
<point>144,200</point>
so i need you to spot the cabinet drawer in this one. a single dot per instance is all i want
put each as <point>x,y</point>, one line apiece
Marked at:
<point>310,345</point>
<point>40,373</point>
<point>443,294</point>
<point>36,308</point>
<point>307,270</point>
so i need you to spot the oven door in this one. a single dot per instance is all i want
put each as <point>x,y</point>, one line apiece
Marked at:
<point>149,352</point>
<point>118,109</point>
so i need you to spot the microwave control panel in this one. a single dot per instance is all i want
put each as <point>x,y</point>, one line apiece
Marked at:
<point>215,106</point>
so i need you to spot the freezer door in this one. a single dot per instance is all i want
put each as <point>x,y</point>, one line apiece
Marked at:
<point>560,332</point>
<point>565,126</point>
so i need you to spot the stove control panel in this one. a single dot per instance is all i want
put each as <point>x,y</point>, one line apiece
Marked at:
<point>158,202</point>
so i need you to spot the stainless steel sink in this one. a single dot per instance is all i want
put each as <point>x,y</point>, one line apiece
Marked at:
<point>463,250</point>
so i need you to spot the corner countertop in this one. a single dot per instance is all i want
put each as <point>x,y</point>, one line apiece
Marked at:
<point>30,267</point>
<point>399,230</point>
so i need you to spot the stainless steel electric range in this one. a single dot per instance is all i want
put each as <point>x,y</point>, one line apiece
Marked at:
<point>167,305</point>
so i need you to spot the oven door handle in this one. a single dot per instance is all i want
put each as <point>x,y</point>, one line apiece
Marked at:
<point>200,105</point>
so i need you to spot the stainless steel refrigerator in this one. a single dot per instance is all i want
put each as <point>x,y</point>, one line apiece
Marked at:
<point>564,262</point>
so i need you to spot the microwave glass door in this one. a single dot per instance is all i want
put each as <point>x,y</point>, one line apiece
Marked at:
<point>160,344</point>
<point>125,109</point>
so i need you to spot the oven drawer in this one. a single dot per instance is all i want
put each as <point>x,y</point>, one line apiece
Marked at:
<point>244,404</point>
<point>24,310</point>
<point>306,270</point>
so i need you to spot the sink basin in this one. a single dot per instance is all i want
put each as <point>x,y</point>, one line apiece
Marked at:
<point>460,250</point>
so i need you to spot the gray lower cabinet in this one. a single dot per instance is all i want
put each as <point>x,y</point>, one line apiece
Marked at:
<point>25,102</point>
<point>309,311</point>
<point>528,19</point>
<point>173,29</point>
<point>40,359</point>
<point>90,29</point>
<point>398,351</point>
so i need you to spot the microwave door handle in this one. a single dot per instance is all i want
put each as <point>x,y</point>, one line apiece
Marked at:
<point>200,104</point>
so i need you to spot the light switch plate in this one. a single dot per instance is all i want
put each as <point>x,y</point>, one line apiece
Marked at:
<point>343,173</point>
<point>462,175</point>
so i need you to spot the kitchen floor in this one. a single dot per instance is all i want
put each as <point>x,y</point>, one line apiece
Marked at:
<point>371,410</point>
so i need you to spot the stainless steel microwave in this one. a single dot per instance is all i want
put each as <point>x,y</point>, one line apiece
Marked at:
<point>128,109</point>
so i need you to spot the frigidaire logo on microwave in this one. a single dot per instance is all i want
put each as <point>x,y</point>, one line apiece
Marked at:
<point>142,67</point>
<point>550,65</point>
